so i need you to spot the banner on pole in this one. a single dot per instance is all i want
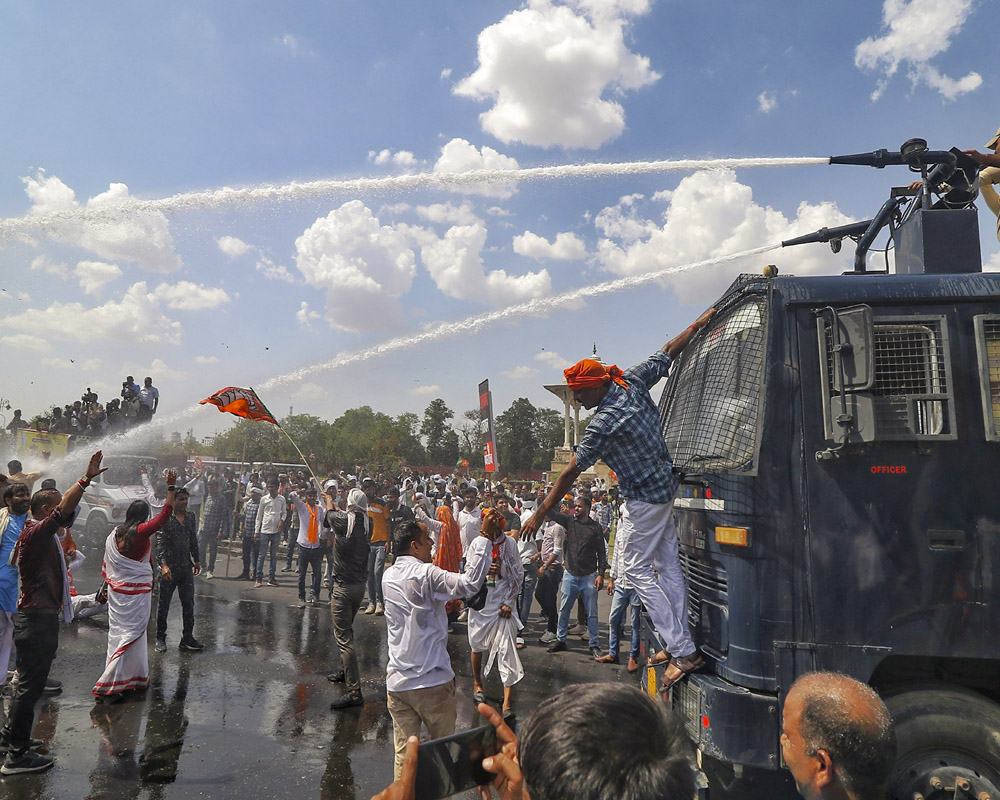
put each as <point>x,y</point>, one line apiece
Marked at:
<point>490,457</point>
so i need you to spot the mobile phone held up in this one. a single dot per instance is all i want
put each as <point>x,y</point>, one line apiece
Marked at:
<point>454,763</point>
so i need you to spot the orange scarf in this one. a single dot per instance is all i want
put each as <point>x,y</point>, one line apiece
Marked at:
<point>313,535</point>
<point>588,374</point>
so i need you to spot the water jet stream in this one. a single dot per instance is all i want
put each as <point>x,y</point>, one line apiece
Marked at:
<point>233,196</point>
<point>476,323</point>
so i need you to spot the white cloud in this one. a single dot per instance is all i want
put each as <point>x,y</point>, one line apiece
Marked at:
<point>917,31</point>
<point>363,266</point>
<point>458,155</point>
<point>204,360</point>
<point>294,46</point>
<point>46,264</point>
<point>712,214</point>
<point>138,318</point>
<point>993,265</point>
<point>26,341</point>
<point>448,212</point>
<point>565,247</point>
<point>309,392</point>
<point>519,373</point>
<point>274,272</point>
<point>553,360</point>
<point>87,365</point>
<point>401,158</point>
<point>232,246</point>
<point>455,263</point>
<point>188,296</point>
<point>422,391</point>
<point>305,316</point>
<point>159,371</point>
<point>446,73</point>
<point>767,102</point>
<point>622,221</point>
<point>549,70</point>
<point>111,229</point>
<point>94,274</point>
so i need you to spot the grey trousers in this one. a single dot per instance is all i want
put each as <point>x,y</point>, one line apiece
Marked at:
<point>344,605</point>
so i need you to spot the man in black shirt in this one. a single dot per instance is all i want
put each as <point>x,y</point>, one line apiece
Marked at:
<point>177,555</point>
<point>585,560</point>
<point>350,533</point>
<point>398,515</point>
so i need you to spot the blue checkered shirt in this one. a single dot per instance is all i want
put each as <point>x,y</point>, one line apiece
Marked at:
<point>625,434</point>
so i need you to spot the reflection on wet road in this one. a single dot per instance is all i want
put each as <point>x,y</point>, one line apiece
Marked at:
<point>249,716</point>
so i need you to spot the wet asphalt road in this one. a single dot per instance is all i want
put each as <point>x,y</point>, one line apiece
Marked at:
<point>250,716</point>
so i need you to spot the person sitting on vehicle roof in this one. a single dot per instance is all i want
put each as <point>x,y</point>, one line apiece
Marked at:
<point>989,174</point>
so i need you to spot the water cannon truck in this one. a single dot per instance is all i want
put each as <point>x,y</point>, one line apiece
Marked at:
<point>838,444</point>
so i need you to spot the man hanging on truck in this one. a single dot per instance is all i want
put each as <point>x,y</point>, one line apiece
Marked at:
<point>625,434</point>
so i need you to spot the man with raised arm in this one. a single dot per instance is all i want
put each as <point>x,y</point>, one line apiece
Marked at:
<point>625,434</point>
<point>44,592</point>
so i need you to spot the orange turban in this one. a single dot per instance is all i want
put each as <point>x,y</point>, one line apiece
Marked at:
<point>588,374</point>
<point>493,523</point>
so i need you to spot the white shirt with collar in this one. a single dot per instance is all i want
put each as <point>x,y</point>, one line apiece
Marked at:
<point>270,514</point>
<point>417,623</point>
<point>469,525</point>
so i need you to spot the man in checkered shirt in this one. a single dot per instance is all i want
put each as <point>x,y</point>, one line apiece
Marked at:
<point>625,434</point>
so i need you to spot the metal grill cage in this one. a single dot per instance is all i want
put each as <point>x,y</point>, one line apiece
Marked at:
<point>710,407</point>
<point>988,347</point>
<point>911,393</point>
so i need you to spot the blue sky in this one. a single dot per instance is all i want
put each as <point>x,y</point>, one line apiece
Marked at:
<point>106,103</point>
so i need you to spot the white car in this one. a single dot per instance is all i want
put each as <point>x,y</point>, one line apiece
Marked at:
<point>109,495</point>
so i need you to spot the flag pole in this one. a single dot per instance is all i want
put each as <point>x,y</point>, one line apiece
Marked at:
<point>290,439</point>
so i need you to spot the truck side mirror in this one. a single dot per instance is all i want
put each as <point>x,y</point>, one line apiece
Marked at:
<point>853,344</point>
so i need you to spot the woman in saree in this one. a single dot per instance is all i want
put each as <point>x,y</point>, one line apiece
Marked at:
<point>129,576</point>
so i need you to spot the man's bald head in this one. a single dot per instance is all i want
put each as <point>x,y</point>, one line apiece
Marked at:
<point>845,719</point>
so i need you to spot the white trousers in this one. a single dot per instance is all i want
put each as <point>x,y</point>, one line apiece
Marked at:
<point>650,562</point>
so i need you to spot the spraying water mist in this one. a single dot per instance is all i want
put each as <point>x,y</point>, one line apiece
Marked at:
<point>234,196</point>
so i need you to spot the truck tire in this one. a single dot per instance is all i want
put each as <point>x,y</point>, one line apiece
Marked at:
<point>97,530</point>
<point>944,736</point>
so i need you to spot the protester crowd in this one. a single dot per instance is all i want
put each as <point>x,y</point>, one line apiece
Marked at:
<point>89,417</point>
<point>440,556</point>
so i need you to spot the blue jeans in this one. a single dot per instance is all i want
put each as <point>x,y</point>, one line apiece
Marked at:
<point>267,540</point>
<point>527,591</point>
<point>620,600</point>
<point>376,566</point>
<point>572,587</point>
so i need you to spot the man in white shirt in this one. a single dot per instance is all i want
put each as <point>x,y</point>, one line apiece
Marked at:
<point>267,529</point>
<point>469,519</point>
<point>420,682</point>
<point>149,400</point>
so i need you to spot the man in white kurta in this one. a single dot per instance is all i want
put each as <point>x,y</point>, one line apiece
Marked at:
<point>493,629</point>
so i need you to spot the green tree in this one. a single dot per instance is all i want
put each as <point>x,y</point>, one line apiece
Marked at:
<point>410,448</point>
<point>517,436</point>
<point>261,440</point>
<point>550,426</point>
<point>441,449</point>
<point>356,435</point>
<point>470,445</point>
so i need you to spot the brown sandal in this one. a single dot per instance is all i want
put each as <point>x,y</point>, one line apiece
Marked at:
<point>680,667</point>
<point>658,659</point>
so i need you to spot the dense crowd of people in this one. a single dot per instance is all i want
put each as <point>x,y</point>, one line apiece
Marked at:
<point>428,554</point>
<point>89,417</point>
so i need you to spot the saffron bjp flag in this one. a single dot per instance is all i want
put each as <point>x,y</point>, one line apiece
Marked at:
<point>242,403</point>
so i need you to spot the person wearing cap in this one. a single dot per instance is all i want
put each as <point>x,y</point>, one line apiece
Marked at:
<point>989,174</point>
<point>625,433</point>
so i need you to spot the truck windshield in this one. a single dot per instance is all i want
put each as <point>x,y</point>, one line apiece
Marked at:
<point>709,409</point>
<point>126,472</point>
